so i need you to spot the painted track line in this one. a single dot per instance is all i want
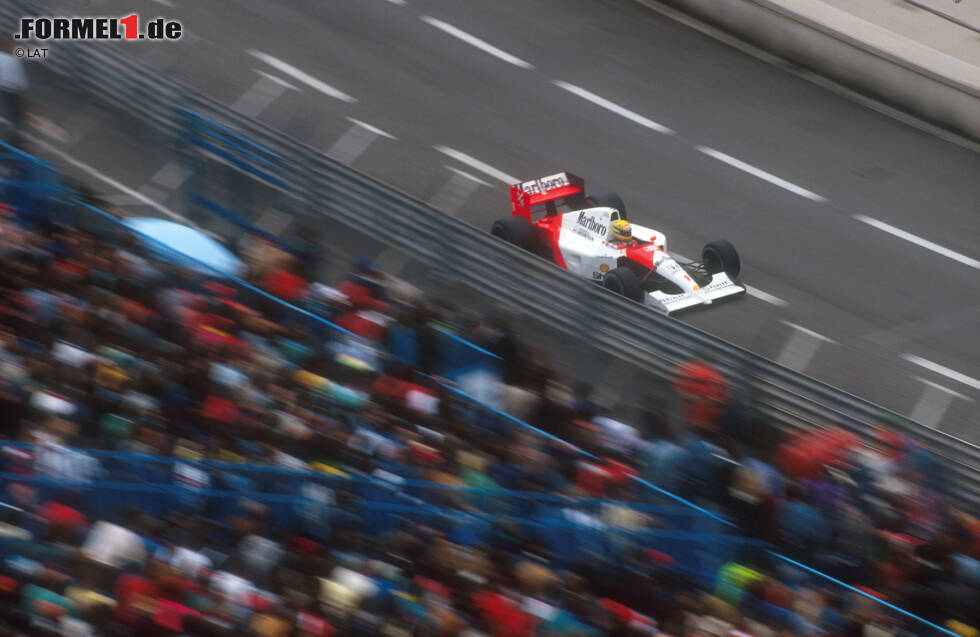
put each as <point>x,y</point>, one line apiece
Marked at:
<point>301,76</point>
<point>761,174</point>
<point>472,40</point>
<point>802,346</point>
<point>138,196</point>
<point>373,129</point>
<point>933,403</point>
<point>764,296</point>
<point>261,95</point>
<point>942,388</point>
<point>810,333</point>
<point>356,141</point>
<point>476,164</point>
<point>467,175</point>
<point>945,371</point>
<point>456,191</point>
<point>614,108</point>
<point>925,243</point>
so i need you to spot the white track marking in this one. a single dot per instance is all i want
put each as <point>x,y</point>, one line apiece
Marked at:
<point>801,347</point>
<point>301,76</point>
<point>945,371</point>
<point>925,243</point>
<point>165,181</point>
<point>761,174</point>
<point>257,98</point>
<point>476,164</point>
<point>456,191</point>
<point>373,129</point>
<point>400,3</point>
<point>614,108</point>
<point>112,182</point>
<point>765,296</point>
<point>172,175</point>
<point>809,332</point>
<point>472,40</point>
<point>355,141</point>
<point>468,176</point>
<point>933,403</point>
<point>167,3</point>
<point>155,192</point>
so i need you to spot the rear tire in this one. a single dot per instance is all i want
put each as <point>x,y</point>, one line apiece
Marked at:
<point>516,230</point>
<point>607,200</point>
<point>624,282</point>
<point>721,256</point>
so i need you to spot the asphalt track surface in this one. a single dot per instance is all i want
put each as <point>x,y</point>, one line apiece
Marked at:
<point>828,201</point>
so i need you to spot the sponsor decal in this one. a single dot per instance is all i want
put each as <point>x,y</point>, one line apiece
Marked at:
<point>604,268</point>
<point>590,223</point>
<point>538,186</point>
<point>717,285</point>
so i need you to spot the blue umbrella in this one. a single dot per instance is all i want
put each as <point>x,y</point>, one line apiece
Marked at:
<point>186,245</point>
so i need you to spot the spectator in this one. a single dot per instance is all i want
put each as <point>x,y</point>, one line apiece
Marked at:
<point>13,88</point>
<point>166,363</point>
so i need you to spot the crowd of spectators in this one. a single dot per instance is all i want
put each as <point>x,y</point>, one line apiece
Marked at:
<point>103,346</point>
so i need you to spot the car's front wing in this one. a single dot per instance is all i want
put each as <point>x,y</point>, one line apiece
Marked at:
<point>721,286</point>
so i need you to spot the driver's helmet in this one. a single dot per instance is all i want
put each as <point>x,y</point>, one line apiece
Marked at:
<point>622,230</point>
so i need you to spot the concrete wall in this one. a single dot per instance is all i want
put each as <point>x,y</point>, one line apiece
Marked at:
<point>872,60</point>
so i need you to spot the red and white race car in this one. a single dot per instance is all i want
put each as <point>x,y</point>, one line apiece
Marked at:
<point>579,239</point>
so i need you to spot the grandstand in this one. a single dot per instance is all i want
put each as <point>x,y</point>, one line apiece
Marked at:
<point>195,454</point>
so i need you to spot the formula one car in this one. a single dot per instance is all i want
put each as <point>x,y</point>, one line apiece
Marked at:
<point>586,239</point>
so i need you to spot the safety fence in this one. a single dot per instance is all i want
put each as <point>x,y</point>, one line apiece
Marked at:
<point>699,543</point>
<point>569,538</point>
<point>593,319</point>
<point>82,467</point>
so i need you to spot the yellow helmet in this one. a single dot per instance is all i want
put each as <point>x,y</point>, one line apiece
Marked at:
<point>622,230</point>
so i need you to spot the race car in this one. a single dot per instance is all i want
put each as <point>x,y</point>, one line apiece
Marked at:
<point>580,233</point>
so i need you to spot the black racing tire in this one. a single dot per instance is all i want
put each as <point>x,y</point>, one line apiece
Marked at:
<point>624,282</point>
<point>721,256</point>
<point>516,230</point>
<point>607,200</point>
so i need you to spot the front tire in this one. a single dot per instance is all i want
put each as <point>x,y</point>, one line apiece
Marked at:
<point>607,200</point>
<point>516,230</point>
<point>624,282</point>
<point>721,256</point>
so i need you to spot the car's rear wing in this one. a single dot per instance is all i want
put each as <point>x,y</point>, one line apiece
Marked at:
<point>550,191</point>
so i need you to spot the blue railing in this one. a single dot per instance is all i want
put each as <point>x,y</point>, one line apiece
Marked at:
<point>499,419</point>
<point>569,541</point>
<point>141,469</point>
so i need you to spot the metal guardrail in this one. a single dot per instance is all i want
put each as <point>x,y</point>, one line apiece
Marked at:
<point>592,317</point>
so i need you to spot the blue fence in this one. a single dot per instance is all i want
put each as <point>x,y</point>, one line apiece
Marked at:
<point>233,477</point>
<point>569,541</point>
<point>32,186</point>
